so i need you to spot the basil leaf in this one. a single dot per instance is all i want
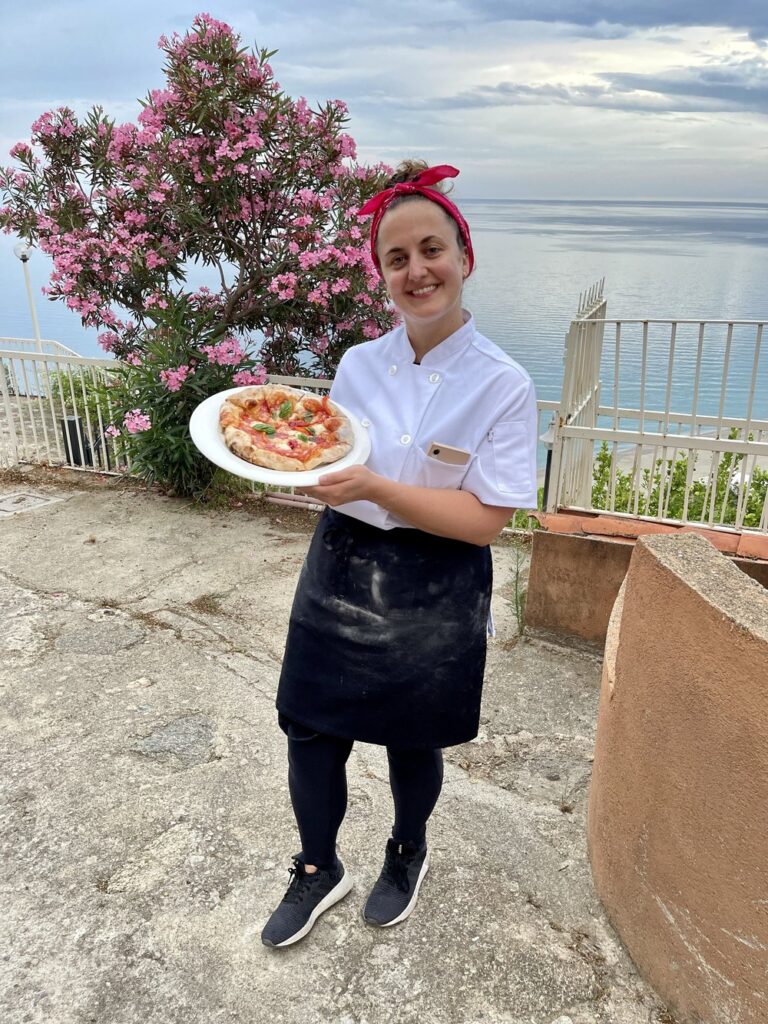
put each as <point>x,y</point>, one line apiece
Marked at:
<point>303,437</point>
<point>285,410</point>
<point>309,430</point>
<point>265,427</point>
<point>308,417</point>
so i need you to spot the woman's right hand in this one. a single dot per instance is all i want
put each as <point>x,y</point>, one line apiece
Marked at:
<point>358,483</point>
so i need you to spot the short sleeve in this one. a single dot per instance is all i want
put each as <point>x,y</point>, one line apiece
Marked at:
<point>503,471</point>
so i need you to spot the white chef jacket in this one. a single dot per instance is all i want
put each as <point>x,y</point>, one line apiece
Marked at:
<point>466,393</point>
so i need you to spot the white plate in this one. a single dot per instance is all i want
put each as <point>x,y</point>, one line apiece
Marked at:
<point>206,434</point>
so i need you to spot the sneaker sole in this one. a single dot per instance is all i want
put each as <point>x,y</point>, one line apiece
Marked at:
<point>338,892</point>
<point>409,909</point>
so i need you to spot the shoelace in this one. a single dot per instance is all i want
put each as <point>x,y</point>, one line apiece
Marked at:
<point>300,883</point>
<point>397,869</point>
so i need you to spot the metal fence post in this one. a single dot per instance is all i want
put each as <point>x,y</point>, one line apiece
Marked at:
<point>8,410</point>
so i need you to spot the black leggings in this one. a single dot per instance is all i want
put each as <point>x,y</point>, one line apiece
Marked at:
<point>317,779</point>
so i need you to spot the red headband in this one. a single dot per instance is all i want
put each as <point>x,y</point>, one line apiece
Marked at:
<point>381,202</point>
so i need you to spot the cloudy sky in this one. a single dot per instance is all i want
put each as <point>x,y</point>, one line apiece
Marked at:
<point>531,98</point>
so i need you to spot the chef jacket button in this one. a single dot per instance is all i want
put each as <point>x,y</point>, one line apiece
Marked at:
<point>405,439</point>
<point>392,371</point>
<point>434,378</point>
<point>365,423</point>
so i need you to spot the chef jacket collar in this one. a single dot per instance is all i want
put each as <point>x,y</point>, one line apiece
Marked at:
<point>446,350</point>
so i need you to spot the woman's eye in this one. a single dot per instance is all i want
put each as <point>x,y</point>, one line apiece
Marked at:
<point>434,250</point>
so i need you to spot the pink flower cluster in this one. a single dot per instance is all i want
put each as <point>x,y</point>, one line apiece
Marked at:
<point>21,151</point>
<point>318,346</point>
<point>173,379</point>
<point>108,340</point>
<point>256,376</point>
<point>136,421</point>
<point>53,123</point>
<point>226,353</point>
<point>284,286</point>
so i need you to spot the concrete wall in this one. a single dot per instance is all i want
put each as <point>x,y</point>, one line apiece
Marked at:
<point>572,584</point>
<point>677,812</point>
<point>574,578</point>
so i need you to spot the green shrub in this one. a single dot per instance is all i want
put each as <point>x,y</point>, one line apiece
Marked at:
<point>668,486</point>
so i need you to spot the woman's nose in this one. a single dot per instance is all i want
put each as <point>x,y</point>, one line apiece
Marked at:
<point>417,267</point>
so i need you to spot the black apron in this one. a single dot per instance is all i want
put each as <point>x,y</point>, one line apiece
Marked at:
<point>387,636</point>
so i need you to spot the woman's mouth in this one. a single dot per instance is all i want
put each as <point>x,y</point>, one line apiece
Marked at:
<point>426,290</point>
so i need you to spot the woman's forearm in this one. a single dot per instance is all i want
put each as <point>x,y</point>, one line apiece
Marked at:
<point>447,513</point>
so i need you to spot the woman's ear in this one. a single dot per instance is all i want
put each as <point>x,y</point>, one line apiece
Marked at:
<point>465,264</point>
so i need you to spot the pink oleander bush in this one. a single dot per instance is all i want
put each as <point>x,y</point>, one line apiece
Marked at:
<point>222,170</point>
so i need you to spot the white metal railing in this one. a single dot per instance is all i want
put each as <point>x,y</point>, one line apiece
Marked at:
<point>580,395</point>
<point>51,412</point>
<point>31,345</point>
<point>682,406</point>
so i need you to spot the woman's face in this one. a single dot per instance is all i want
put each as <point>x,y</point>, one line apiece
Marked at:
<point>421,261</point>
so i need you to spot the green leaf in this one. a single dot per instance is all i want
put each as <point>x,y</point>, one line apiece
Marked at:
<point>264,427</point>
<point>285,410</point>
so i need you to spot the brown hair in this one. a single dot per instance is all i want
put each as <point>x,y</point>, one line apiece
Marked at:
<point>408,170</point>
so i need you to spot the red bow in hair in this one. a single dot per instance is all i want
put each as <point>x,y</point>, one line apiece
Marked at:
<point>379,204</point>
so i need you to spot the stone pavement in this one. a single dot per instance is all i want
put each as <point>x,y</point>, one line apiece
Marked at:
<point>146,825</point>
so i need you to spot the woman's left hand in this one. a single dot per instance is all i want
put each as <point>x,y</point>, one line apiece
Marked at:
<point>354,484</point>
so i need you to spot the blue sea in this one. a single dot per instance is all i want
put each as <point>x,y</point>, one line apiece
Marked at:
<point>533,258</point>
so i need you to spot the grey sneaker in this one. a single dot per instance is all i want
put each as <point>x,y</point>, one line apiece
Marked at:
<point>394,895</point>
<point>305,900</point>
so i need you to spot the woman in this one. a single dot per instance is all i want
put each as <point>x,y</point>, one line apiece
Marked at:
<point>387,636</point>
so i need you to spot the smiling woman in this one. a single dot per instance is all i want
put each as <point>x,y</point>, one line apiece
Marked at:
<point>424,270</point>
<point>387,637</point>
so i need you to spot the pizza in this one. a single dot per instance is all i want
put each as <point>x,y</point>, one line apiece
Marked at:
<point>284,429</point>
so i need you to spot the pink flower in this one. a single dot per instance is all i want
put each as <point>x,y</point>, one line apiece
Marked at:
<point>107,340</point>
<point>112,431</point>
<point>227,353</point>
<point>136,421</point>
<point>342,285</point>
<point>256,376</point>
<point>155,300</point>
<point>173,379</point>
<point>20,151</point>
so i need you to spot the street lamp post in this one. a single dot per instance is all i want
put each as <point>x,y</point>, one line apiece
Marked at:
<point>22,251</point>
<point>548,439</point>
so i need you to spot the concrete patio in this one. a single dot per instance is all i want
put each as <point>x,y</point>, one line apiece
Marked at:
<point>146,825</point>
